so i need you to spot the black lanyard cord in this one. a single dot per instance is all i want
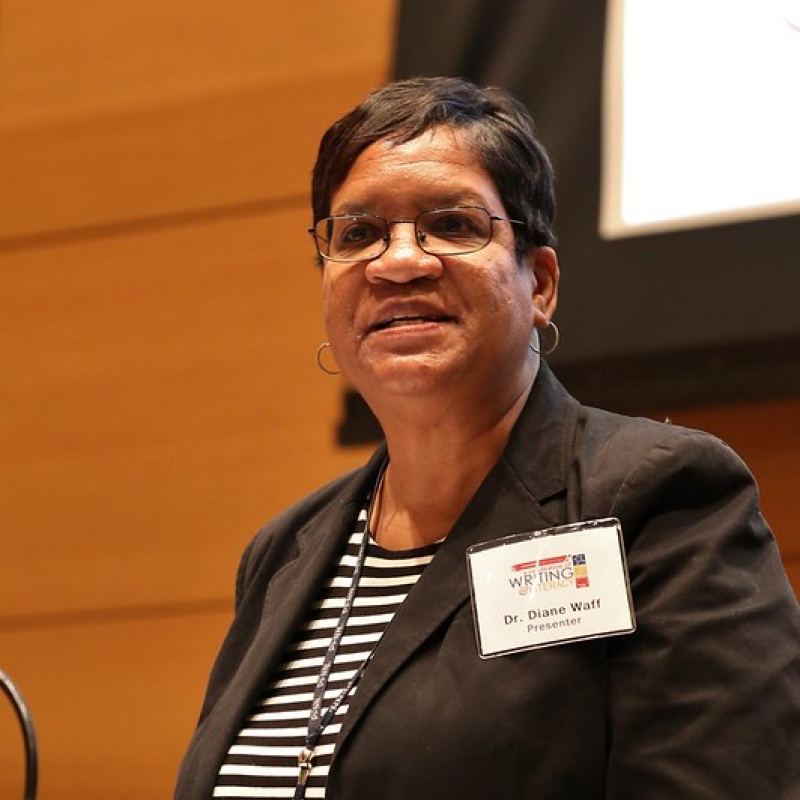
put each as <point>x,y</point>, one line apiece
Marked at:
<point>319,719</point>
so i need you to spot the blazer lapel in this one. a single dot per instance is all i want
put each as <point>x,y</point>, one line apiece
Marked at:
<point>290,592</point>
<point>532,469</point>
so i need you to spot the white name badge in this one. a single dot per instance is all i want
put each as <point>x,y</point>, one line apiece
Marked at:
<point>549,587</point>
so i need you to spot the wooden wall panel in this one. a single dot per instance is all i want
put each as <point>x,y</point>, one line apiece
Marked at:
<point>113,702</point>
<point>119,112</point>
<point>160,401</point>
<point>244,151</point>
<point>62,60</point>
<point>160,398</point>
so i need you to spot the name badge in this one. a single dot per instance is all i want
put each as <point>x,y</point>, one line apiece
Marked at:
<point>548,587</point>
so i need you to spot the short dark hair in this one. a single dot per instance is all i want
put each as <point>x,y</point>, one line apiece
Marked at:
<point>499,128</point>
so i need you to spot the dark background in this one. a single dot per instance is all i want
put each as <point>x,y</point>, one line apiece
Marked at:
<point>686,318</point>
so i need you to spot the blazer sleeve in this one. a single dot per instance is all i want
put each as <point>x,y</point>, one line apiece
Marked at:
<point>704,698</point>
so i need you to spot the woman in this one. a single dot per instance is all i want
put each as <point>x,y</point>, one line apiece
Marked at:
<point>357,665</point>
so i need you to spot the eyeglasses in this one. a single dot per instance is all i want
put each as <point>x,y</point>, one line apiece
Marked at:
<point>441,232</point>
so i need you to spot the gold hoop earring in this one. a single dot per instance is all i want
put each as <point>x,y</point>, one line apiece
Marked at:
<point>556,336</point>
<point>320,350</point>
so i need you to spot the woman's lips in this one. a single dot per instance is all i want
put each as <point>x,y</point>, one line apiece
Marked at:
<point>404,320</point>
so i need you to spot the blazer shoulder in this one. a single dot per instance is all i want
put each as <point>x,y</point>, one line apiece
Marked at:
<point>637,461</point>
<point>276,541</point>
<point>611,439</point>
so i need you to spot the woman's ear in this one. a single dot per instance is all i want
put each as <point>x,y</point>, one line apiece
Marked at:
<point>543,262</point>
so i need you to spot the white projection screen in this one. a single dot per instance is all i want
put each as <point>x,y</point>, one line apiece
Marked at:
<point>701,114</point>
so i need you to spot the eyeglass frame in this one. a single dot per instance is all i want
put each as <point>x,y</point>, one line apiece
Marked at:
<point>387,239</point>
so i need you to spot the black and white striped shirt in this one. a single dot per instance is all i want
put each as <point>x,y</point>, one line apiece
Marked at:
<point>262,762</point>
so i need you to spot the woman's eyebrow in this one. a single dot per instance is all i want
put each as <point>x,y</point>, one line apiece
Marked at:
<point>429,203</point>
<point>352,208</point>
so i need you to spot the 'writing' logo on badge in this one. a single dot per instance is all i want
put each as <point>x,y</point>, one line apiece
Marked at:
<point>548,574</point>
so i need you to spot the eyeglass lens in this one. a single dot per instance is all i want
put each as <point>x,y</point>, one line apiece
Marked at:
<point>445,231</point>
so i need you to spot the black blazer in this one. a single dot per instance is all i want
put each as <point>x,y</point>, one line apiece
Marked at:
<point>702,701</point>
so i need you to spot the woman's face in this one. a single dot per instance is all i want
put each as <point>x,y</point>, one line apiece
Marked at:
<point>410,323</point>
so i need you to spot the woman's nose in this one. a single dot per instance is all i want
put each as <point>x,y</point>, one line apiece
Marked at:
<point>403,260</point>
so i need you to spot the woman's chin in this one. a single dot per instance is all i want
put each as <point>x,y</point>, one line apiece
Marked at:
<point>414,374</point>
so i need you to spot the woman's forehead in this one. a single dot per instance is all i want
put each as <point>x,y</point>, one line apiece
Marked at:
<point>439,167</point>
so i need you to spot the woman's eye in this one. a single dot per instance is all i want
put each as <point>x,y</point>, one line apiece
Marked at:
<point>360,233</point>
<point>453,225</point>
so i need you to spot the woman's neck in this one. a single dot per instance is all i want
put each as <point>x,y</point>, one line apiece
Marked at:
<point>433,472</point>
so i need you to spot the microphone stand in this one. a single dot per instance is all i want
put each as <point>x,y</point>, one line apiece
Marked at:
<point>28,734</point>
